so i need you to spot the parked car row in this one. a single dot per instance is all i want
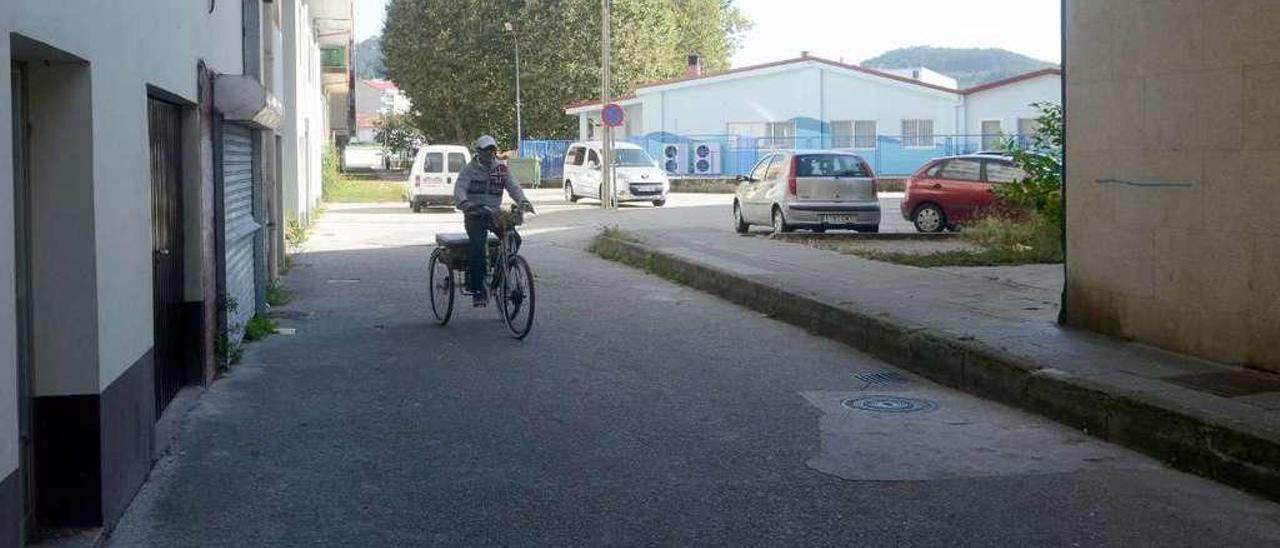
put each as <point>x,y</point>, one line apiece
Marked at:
<point>812,189</point>
<point>639,179</point>
<point>949,192</point>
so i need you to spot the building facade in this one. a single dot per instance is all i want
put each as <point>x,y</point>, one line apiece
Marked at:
<point>1173,155</point>
<point>140,180</point>
<point>374,99</point>
<point>899,121</point>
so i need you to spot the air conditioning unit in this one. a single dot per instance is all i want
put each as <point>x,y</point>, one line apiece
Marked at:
<point>675,159</point>
<point>706,158</point>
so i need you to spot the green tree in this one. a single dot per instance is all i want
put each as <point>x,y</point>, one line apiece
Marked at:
<point>397,135</point>
<point>1041,160</point>
<point>455,60</point>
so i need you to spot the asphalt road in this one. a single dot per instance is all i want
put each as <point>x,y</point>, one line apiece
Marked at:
<point>637,413</point>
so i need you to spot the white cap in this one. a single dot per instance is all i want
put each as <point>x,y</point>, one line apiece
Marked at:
<point>486,141</point>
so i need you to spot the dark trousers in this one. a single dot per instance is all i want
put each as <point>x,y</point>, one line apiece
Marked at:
<point>478,230</point>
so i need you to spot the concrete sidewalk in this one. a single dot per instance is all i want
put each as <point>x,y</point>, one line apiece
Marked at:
<point>995,338</point>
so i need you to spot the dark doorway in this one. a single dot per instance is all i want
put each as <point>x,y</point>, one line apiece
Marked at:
<point>165,129</point>
<point>23,293</point>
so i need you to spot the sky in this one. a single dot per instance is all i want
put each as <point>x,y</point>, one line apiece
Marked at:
<point>856,30</point>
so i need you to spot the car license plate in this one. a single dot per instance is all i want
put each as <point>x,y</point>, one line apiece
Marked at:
<point>840,219</point>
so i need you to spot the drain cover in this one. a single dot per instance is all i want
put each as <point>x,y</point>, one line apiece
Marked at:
<point>889,404</point>
<point>881,378</point>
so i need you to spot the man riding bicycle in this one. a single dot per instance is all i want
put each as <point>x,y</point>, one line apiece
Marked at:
<point>478,193</point>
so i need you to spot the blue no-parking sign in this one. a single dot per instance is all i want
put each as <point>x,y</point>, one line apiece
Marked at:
<point>613,115</point>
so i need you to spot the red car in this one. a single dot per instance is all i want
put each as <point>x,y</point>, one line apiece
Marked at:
<point>948,192</point>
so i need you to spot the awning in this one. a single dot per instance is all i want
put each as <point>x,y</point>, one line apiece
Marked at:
<point>240,98</point>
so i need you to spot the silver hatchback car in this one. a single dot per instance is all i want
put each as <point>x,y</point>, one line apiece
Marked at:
<point>813,189</point>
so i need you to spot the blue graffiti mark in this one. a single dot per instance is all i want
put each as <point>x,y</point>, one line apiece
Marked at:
<point>1145,184</point>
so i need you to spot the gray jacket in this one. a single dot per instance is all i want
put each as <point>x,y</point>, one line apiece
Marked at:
<point>481,186</point>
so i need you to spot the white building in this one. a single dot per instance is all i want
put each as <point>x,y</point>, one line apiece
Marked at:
<point>140,162</point>
<point>376,98</point>
<point>898,122</point>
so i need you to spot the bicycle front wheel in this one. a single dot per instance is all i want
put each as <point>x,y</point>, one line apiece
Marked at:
<point>517,297</point>
<point>440,278</point>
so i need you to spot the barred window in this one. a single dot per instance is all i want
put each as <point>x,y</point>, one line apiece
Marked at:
<point>917,133</point>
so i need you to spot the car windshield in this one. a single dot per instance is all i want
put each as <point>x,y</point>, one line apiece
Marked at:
<point>632,157</point>
<point>830,165</point>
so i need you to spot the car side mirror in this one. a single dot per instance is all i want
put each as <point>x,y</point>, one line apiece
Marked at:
<point>593,165</point>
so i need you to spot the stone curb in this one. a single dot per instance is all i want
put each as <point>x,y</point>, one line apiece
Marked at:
<point>857,236</point>
<point>1242,455</point>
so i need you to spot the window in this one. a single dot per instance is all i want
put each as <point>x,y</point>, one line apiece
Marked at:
<point>992,134</point>
<point>575,156</point>
<point>853,134</point>
<point>917,133</point>
<point>780,135</point>
<point>1004,172</point>
<point>746,129</point>
<point>864,133</point>
<point>775,167</point>
<point>632,157</point>
<point>830,165</point>
<point>758,172</point>
<point>593,160</point>
<point>1027,128</point>
<point>456,161</point>
<point>963,169</point>
<point>435,162</point>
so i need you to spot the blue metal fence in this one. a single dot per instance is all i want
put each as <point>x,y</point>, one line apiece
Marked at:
<point>732,155</point>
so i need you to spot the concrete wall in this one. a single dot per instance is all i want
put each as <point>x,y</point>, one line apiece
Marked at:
<point>8,305</point>
<point>1010,102</point>
<point>121,65</point>
<point>1173,153</point>
<point>305,131</point>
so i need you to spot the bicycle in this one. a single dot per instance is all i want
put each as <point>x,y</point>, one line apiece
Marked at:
<point>507,274</point>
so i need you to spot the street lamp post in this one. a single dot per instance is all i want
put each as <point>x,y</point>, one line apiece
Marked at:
<point>519,123</point>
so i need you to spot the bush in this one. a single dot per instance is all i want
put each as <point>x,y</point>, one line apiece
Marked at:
<point>1038,237</point>
<point>1041,191</point>
<point>330,172</point>
<point>258,328</point>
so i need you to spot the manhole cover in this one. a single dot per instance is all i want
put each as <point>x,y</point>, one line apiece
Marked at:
<point>889,404</point>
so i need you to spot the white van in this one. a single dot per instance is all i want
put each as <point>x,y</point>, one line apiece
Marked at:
<point>435,169</point>
<point>639,177</point>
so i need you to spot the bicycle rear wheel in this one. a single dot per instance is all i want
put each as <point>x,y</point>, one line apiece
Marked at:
<point>516,300</point>
<point>440,278</point>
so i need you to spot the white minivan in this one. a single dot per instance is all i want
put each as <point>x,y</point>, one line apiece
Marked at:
<point>435,169</point>
<point>639,177</point>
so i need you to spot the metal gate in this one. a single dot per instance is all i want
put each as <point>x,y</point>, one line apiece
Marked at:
<point>240,227</point>
<point>166,245</point>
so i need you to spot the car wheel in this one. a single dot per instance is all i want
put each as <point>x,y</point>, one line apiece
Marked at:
<point>417,207</point>
<point>660,203</point>
<point>780,225</point>
<point>929,218</point>
<point>739,225</point>
<point>568,193</point>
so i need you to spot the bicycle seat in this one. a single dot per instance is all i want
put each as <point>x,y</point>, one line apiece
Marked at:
<point>459,239</point>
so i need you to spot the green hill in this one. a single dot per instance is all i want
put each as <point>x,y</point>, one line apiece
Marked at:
<point>369,59</point>
<point>971,66</point>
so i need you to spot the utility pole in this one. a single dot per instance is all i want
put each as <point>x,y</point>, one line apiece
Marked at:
<point>606,170</point>
<point>519,125</point>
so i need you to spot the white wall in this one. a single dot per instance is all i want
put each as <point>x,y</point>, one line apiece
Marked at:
<point>803,90</point>
<point>855,97</point>
<point>708,108</point>
<point>129,45</point>
<point>1010,102</point>
<point>304,131</point>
